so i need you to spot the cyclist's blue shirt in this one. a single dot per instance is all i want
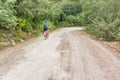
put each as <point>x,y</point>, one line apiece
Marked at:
<point>45,25</point>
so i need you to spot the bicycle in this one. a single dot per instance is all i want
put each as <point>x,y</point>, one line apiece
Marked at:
<point>46,36</point>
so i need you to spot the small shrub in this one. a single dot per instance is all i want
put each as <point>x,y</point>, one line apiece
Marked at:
<point>26,25</point>
<point>21,34</point>
<point>118,35</point>
<point>1,38</point>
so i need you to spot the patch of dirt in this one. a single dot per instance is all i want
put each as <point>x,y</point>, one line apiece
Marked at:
<point>10,56</point>
<point>112,46</point>
<point>66,55</point>
<point>64,69</point>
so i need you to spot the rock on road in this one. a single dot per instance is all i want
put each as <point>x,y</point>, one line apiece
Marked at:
<point>66,55</point>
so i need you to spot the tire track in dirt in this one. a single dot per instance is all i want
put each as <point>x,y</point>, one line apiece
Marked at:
<point>63,71</point>
<point>97,61</point>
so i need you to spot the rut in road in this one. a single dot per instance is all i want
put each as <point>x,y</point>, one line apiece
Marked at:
<point>66,55</point>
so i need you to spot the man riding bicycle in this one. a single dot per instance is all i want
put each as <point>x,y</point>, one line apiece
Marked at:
<point>45,28</point>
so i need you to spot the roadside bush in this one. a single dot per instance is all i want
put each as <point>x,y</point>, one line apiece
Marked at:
<point>65,24</point>
<point>1,38</point>
<point>75,20</point>
<point>118,34</point>
<point>106,31</point>
<point>24,24</point>
<point>105,19</point>
<point>20,34</point>
<point>7,17</point>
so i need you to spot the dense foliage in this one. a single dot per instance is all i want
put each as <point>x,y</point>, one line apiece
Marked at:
<point>26,17</point>
<point>7,15</point>
<point>104,21</point>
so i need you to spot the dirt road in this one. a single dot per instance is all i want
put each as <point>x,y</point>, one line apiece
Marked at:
<point>66,55</point>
